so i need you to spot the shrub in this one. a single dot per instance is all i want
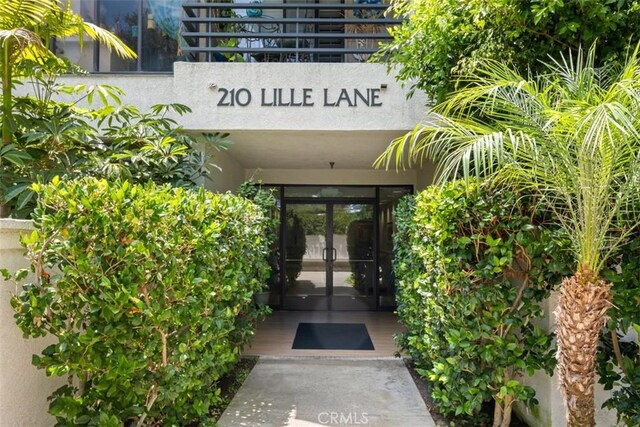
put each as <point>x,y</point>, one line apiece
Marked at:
<point>619,360</point>
<point>148,291</point>
<point>441,40</point>
<point>266,200</point>
<point>472,267</point>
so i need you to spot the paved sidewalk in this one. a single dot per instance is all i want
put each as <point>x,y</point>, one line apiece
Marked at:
<point>314,391</point>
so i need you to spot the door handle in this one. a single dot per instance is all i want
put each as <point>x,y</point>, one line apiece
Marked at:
<point>335,254</point>
<point>324,254</point>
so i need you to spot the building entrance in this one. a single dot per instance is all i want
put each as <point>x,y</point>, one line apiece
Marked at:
<point>335,248</point>
<point>329,255</point>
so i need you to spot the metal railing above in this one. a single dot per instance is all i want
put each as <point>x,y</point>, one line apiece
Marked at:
<point>284,32</point>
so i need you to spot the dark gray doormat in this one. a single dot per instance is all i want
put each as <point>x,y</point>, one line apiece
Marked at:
<point>332,336</point>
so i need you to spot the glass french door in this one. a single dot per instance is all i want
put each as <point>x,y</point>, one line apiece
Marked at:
<point>329,256</point>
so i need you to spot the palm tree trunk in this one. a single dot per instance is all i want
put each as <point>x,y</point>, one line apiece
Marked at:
<point>584,300</point>
<point>6,109</point>
<point>6,92</point>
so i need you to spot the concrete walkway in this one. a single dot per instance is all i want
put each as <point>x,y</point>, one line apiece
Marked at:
<point>315,391</point>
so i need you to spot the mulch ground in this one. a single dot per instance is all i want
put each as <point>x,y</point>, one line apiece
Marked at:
<point>441,420</point>
<point>231,383</point>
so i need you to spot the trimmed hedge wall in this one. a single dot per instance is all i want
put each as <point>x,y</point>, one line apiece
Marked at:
<point>472,264</point>
<point>149,292</point>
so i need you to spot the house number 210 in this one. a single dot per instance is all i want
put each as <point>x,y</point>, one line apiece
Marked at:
<point>233,97</point>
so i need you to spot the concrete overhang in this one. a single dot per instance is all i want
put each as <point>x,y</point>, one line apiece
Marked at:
<point>283,115</point>
<point>308,149</point>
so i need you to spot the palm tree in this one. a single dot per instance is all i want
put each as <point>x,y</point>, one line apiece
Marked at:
<point>26,29</point>
<point>572,136</point>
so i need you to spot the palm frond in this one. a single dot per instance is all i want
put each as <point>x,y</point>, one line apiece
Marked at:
<point>571,135</point>
<point>108,39</point>
<point>24,13</point>
<point>47,19</point>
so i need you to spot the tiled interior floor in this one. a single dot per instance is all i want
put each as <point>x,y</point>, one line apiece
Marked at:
<point>275,334</point>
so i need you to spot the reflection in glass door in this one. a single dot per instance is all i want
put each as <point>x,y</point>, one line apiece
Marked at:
<point>305,249</point>
<point>353,262</point>
<point>329,256</point>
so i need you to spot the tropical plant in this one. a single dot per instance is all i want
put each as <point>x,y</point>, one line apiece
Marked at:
<point>147,294</point>
<point>54,138</point>
<point>27,28</point>
<point>473,264</point>
<point>572,136</point>
<point>152,146</point>
<point>62,139</point>
<point>443,38</point>
<point>102,139</point>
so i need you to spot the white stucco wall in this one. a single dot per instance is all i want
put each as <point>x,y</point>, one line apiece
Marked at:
<point>352,112</point>
<point>230,175</point>
<point>140,90</point>
<point>23,388</point>
<point>204,84</point>
<point>201,86</point>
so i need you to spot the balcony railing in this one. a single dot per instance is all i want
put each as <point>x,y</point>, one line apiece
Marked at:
<point>284,32</point>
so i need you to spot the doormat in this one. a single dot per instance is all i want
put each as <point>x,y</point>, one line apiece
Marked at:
<point>332,336</point>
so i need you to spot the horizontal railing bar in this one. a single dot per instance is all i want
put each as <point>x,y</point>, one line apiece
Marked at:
<point>277,50</point>
<point>343,6</point>
<point>267,35</point>
<point>257,20</point>
<point>202,24</point>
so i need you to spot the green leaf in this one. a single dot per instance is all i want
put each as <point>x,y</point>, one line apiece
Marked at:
<point>15,191</point>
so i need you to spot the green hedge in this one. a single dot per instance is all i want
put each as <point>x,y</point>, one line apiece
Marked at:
<point>472,264</point>
<point>621,368</point>
<point>148,291</point>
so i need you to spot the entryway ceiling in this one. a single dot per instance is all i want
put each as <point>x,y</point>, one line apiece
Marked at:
<point>308,149</point>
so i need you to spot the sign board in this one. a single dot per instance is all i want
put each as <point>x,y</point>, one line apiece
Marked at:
<point>299,97</point>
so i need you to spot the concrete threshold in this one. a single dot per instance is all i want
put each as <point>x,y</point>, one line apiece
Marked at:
<point>327,391</point>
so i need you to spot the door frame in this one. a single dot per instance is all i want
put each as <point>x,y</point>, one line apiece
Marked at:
<point>329,202</point>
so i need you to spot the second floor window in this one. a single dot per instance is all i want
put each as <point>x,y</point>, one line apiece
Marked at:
<point>149,27</point>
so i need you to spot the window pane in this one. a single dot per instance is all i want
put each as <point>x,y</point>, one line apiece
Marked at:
<point>121,18</point>
<point>339,192</point>
<point>160,40</point>
<point>70,48</point>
